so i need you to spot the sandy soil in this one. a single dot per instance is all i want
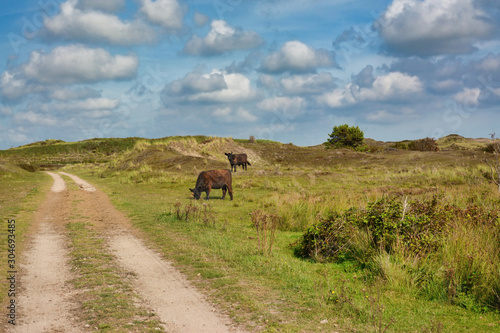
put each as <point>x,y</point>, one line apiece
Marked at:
<point>47,302</point>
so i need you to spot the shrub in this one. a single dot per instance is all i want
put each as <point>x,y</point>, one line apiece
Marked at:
<point>446,251</point>
<point>418,225</point>
<point>427,144</point>
<point>345,136</point>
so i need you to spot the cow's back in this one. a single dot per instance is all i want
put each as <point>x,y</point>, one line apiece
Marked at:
<point>214,178</point>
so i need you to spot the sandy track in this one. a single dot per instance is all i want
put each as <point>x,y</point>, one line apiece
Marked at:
<point>46,300</point>
<point>166,291</point>
<point>45,297</point>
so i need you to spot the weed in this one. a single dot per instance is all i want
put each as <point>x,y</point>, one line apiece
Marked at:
<point>265,224</point>
<point>377,311</point>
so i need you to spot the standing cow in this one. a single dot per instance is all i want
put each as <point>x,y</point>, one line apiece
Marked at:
<point>237,159</point>
<point>213,179</point>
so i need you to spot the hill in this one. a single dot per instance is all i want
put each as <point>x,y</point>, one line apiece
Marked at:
<point>189,151</point>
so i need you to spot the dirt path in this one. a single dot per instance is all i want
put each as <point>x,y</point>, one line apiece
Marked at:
<point>47,302</point>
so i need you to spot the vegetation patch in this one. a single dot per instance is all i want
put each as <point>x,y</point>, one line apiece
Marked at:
<point>426,243</point>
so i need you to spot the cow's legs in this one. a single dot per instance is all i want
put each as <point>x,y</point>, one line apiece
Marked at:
<point>224,188</point>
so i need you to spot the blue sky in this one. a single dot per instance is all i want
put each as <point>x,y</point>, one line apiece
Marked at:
<point>284,70</point>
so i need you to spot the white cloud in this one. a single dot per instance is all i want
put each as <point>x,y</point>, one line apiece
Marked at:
<point>222,38</point>
<point>216,87</point>
<point>195,82</point>
<point>394,86</point>
<point>295,56</point>
<point>431,27</point>
<point>468,96</point>
<point>490,63</point>
<point>90,25</point>
<point>337,97</point>
<point>12,85</point>
<point>166,13</point>
<point>77,64</point>
<point>307,84</point>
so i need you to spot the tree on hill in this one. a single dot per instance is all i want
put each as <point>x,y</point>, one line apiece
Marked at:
<point>345,136</point>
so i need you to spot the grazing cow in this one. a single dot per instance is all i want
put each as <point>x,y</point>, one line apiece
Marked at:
<point>213,179</point>
<point>237,159</point>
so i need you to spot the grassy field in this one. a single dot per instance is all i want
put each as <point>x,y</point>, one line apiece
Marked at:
<point>419,254</point>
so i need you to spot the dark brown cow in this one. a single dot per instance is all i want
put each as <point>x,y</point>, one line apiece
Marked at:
<point>237,159</point>
<point>213,179</point>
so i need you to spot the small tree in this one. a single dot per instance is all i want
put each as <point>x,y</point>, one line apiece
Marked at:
<point>345,136</point>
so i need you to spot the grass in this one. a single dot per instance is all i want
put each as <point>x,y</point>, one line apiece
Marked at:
<point>269,289</point>
<point>109,303</point>
<point>20,194</point>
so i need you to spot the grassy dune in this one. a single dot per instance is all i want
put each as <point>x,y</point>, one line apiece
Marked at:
<point>243,253</point>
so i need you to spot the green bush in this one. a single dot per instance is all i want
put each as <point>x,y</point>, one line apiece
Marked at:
<point>417,224</point>
<point>345,136</point>
<point>445,251</point>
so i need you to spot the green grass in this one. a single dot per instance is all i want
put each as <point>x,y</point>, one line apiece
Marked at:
<point>217,245</point>
<point>109,303</point>
<point>20,194</point>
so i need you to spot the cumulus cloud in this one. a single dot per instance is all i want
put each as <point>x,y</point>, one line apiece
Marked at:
<point>13,85</point>
<point>429,27</point>
<point>222,38</point>
<point>469,97</point>
<point>166,13</point>
<point>90,25</point>
<point>297,57</point>
<point>307,84</point>
<point>79,64</point>
<point>194,83</point>
<point>216,87</point>
<point>394,86</point>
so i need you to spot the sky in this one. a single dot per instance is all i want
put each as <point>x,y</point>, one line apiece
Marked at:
<point>282,70</point>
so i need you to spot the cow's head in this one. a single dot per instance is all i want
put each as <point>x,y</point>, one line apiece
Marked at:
<point>196,193</point>
<point>230,156</point>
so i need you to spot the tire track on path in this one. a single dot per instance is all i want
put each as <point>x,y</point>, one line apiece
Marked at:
<point>45,298</point>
